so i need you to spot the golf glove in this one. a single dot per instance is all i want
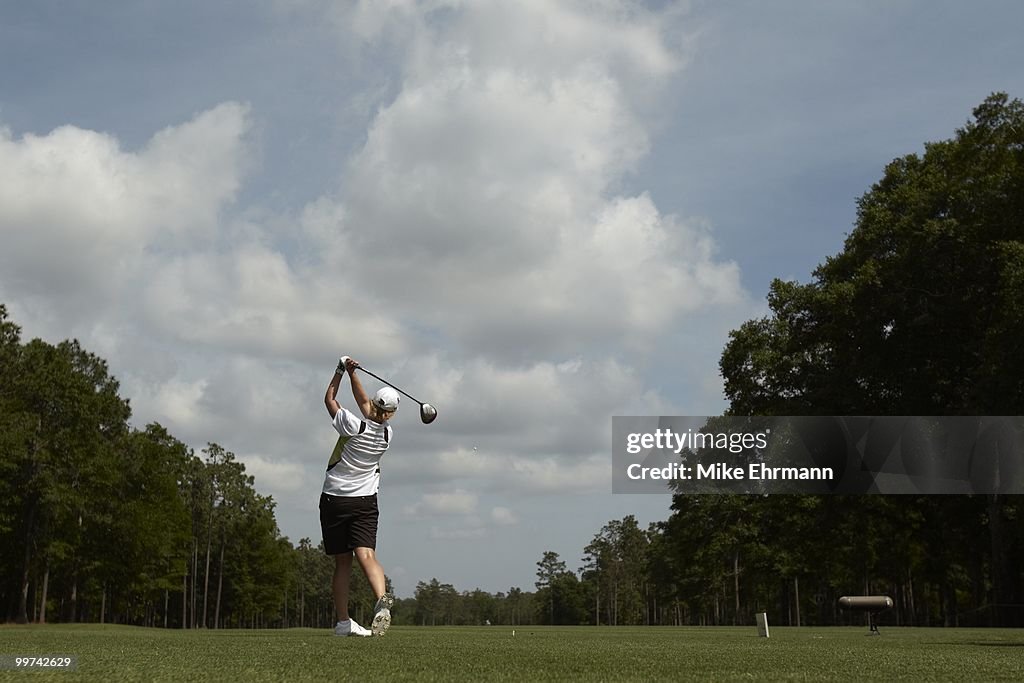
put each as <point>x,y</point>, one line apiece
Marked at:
<point>341,364</point>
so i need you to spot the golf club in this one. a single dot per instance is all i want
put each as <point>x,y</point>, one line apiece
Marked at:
<point>427,411</point>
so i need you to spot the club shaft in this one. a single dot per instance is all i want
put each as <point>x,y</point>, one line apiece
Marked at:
<point>388,383</point>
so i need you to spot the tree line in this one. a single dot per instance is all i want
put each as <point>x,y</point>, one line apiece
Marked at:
<point>720,559</point>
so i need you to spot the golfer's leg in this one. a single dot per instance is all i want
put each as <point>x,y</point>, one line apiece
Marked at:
<point>339,585</point>
<point>371,567</point>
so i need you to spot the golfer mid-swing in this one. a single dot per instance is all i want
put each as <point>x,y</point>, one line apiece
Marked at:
<point>348,504</point>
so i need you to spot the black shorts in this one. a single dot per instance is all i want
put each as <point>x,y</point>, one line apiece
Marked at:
<point>348,523</point>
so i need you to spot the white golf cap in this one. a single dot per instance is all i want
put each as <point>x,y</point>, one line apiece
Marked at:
<point>386,399</point>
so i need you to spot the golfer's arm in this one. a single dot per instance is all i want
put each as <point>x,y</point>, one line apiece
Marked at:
<point>330,398</point>
<point>359,394</point>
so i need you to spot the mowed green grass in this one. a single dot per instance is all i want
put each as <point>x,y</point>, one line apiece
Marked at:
<point>121,653</point>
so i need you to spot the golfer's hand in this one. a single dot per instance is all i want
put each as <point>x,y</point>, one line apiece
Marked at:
<point>342,365</point>
<point>351,364</point>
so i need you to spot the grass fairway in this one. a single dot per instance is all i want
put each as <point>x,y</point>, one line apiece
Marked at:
<point>122,653</point>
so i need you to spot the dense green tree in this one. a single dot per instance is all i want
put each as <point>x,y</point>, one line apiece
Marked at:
<point>515,600</point>
<point>137,538</point>
<point>481,607</point>
<point>15,426</point>
<point>561,597</point>
<point>67,420</point>
<point>313,570</point>
<point>922,313</point>
<point>437,603</point>
<point>549,568</point>
<point>571,600</point>
<point>102,522</point>
<point>616,567</point>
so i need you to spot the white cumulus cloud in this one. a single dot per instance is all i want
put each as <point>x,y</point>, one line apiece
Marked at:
<point>479,248</point>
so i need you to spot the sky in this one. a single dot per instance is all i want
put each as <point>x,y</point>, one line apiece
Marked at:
<point>532,215</point>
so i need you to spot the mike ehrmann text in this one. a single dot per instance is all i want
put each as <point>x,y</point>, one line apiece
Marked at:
<point>722,472</point>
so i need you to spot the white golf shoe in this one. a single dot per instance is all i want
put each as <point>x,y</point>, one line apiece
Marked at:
<point>382,615</point>
<point>350,628</point>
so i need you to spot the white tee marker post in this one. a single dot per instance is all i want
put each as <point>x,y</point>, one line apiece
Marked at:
<point>762,624</point>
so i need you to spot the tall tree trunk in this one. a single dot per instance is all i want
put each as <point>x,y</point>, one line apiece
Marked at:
<point>103,605</point>
<point>615,604</point>
<point>910,598</point>
<point>736,586</point>
<point>647,605</point>
<point>30,528</point>
<point>949,603</point>
<point>195,575</point>
<point>220,583</point>
<point>184,599</point>
<point>73,608</point>
<point>796,593</point>
<point>46,584</point>
<point>23,600</point>
<point>999,568</point>
<point>206,574</point>
<point>784,603</point>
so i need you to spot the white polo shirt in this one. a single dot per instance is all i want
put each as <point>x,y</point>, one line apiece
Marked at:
<point>354,467</point>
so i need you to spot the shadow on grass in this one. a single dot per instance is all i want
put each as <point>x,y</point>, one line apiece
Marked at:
<point>994,644</point>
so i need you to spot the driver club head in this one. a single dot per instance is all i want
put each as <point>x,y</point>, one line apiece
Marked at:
<point>427,412</point>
